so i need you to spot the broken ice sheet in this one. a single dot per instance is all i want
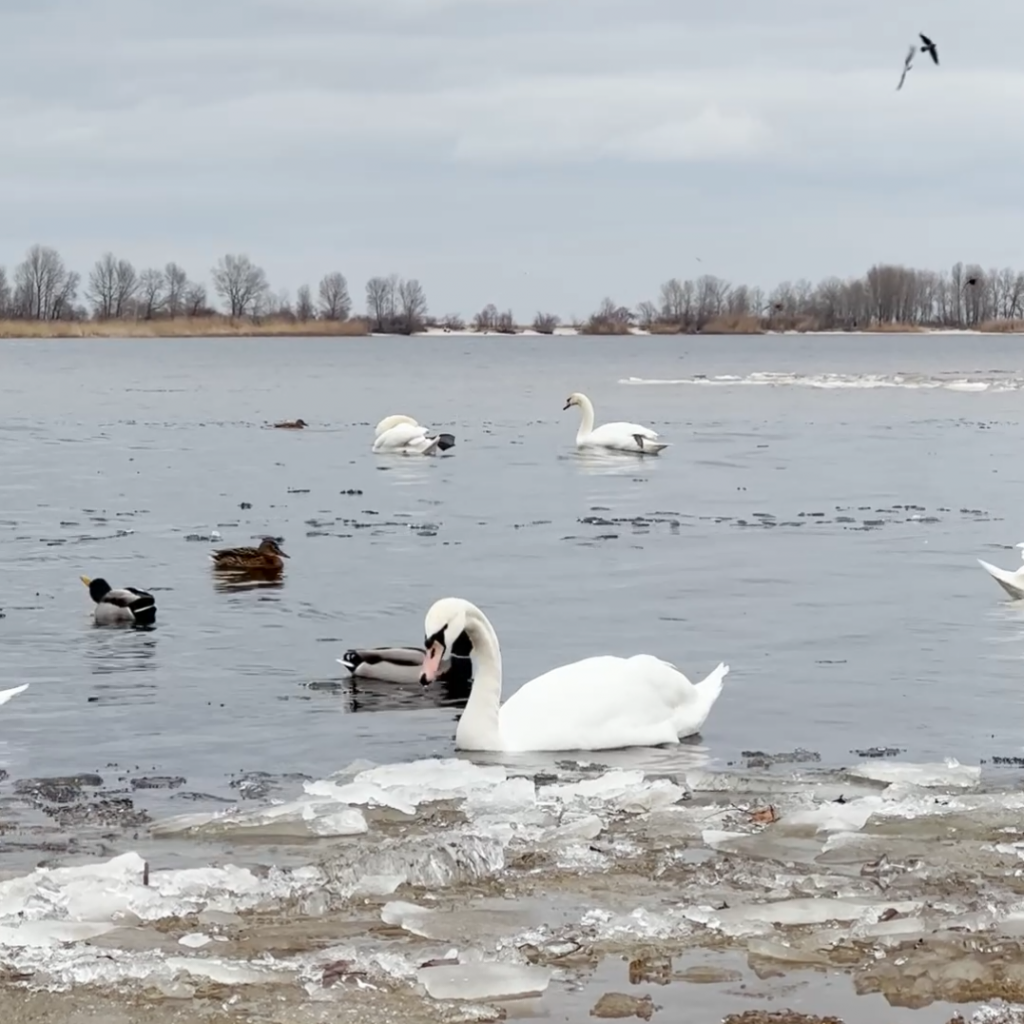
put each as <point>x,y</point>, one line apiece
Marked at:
<point>484,981</point>
<point>951,775</point>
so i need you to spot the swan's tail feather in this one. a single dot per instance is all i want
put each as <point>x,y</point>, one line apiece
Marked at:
<point>6,695</point>
<point>1007,580</point>
<point>711,686</point>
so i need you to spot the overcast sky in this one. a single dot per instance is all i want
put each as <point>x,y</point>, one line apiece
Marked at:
<point>538,154</point>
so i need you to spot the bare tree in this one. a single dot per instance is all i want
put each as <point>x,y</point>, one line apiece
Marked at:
<point>240,283</point>
<point>545,323</point>
<point>112,286</point>
<point>5,295</point>
<point>304,304</point>
<point>194,300</point>
<point>646,314</point>
<point>486,319</point>
<point>380,302</point>
<point>44,289</point>
<point>452,322</point>
<point>176,284</point>
<point>152,293</point>
<point>412,305</point>
<point>335,303</point>
<point>506,322</point>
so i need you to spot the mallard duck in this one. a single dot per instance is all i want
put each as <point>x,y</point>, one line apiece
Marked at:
<point>402,664</point>
<point>122,607</point>
<point>291,424</point>
<point>267,556</point>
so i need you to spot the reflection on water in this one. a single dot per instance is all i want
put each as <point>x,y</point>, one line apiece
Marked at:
<point>600,463</point>
<point>408,469</point>
<point>360,695</point>
<point>111,651</point>
<point>228,581</point>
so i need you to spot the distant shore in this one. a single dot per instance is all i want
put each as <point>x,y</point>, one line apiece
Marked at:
<point>225,327</point>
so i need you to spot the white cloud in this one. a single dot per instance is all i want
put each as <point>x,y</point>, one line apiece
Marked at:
<point>377,135</point>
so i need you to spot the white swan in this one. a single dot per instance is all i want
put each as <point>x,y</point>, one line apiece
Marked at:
<point>1011,582</point>
<point>602,703</point>
<point>620,437</point>
<point>404,434</point>
<point>6,695</point>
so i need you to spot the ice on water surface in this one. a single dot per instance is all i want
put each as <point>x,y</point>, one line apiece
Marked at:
<point>684,858</point>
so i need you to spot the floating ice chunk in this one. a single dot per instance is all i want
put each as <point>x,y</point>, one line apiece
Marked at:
<point>719,838</point>
<point>832,817</point>
<point>299,818</point>
<point>228,972</point>
<point>50,933</point>
<point>408,916</point>
<point>195,940</point>
<point>753,918</point>
<point>432,861</point>
<point>404,787</point>
<point>952,774</point>
<point>376,885</point>
<point>484,981</point>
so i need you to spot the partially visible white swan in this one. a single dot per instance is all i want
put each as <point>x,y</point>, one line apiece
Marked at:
<point>404,434</point>
<point>602,703</point>
<point>621,437</point>
<point>1011,582</point>
<point>6,695</point>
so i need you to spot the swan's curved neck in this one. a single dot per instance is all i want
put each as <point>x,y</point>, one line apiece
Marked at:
<point>478,726</point>
<point>587,421</point>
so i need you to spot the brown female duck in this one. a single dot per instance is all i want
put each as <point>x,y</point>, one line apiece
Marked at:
<point>267,557</point>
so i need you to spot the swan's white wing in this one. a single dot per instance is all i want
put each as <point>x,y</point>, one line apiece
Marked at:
<point>605,703</point>
<point>402,435</point>
<point>1011,582</point>
<point>6,695</point>
<point>623,437</point>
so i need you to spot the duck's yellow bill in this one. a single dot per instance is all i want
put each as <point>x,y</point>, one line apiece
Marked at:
<point>85,580</point>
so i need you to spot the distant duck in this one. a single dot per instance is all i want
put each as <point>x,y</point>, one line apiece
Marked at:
<point>267,557</point>
<point>291,424</point>
<point>403,434</point>
<point>929,48</point>
<point>127,606</point>
<point>403,664</point>
<point>1011,582</point>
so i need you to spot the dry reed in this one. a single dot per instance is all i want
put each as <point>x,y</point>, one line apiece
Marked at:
<point>1002,327</point>
<point>183,327</point>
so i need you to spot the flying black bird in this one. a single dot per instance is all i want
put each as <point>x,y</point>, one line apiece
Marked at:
<point>972,281</point>
<point>929,47</point>
<point>906,64</point>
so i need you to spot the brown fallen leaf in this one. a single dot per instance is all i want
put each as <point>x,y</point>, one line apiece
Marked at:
<point>764,815</point>
<point>888,915</point>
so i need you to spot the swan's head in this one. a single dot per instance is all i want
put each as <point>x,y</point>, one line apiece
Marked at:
<point>392,421</point>
<point>574,399</point>
<point>444,624</point>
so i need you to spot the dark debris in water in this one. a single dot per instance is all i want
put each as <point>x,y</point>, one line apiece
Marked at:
<point>759,759</point>
<point>158,782</point>
<point>259,785</point>
<point>777,1017</point>
<point>878,752</point>
<point>64,799</point>
<point>1008,761</point>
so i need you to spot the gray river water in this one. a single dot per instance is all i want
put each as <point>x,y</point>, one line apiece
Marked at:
<point>816,529</point>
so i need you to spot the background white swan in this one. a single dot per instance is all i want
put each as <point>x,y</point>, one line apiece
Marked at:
<point>404,434</point>
<point>621,437</point>
<point>6,695</point>
<point>602,703</point>
<point>1011,582</point>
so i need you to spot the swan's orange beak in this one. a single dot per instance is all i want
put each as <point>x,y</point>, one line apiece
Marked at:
<point>431,663</point>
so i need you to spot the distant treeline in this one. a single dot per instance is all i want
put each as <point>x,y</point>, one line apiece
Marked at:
<point>43,296</point>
